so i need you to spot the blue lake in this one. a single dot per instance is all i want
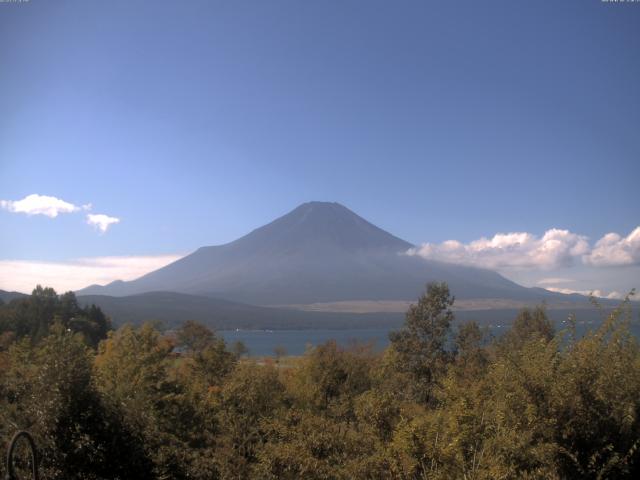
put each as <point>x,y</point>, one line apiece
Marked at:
<point>295,342</point>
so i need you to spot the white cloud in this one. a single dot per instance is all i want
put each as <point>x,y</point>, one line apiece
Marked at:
<point>556,248</point>
<point>596,293</point>
<point>35,204</point>
<point>23,276</point>
<point>51,207</point>
<point>521,251</point>
<point>101,222</point>
<point>614,250</point>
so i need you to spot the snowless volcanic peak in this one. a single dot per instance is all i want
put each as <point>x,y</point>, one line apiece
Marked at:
<point>322,225</point>
<point>318,252</point>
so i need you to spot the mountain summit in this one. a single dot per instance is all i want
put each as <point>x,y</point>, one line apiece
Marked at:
<point>318,252</point>
<point>320,225</point>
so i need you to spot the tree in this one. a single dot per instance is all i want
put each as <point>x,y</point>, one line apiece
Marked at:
<point>329,379</point>
<point>194,337</point>
<point>471,359</point>
<point>530,324</point>
<point>595,402</point>
<point>34,316</point>
<point>132,372</point>
<point>239,348</point>
<point>50,391</point>
<point>279,351</point>
<point>250,395</point>
<point>421,344</point>
<point>315,447</point>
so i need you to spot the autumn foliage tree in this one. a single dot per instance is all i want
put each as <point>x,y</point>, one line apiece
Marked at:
<point>421,345</point>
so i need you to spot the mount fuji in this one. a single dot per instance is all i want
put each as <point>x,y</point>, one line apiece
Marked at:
<point>319,252</point>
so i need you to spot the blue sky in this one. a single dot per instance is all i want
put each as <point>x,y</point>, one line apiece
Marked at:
<point>195,122</point>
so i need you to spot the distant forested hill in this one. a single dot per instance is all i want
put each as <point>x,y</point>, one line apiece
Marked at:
<point>8,296</point>
<point>174,308</point>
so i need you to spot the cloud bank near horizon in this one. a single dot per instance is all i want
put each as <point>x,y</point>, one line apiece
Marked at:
<point>614,295</point>
<point>559,260</point>
<point>51,207</point>
<point>23,276</point>
<point>555,249</point>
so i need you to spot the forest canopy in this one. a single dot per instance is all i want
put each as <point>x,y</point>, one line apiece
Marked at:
<point>444,400</point>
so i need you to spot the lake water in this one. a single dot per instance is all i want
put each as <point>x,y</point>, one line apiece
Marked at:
<point>295,342</point>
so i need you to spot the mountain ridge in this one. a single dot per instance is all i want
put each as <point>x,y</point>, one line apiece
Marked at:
<point>7,296</point>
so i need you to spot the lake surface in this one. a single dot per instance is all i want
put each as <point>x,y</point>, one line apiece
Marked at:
<point>295,342</point>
